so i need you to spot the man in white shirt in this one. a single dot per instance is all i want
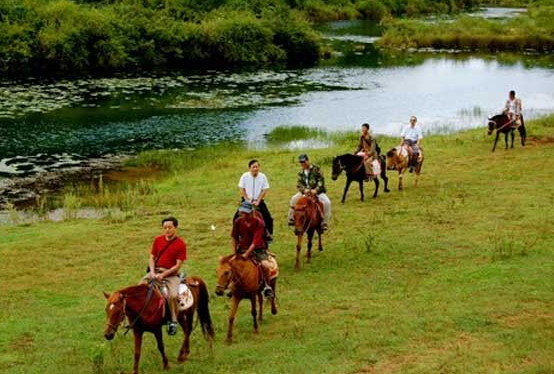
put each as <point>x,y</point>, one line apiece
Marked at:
<point>513,109</point>
<point>253,187</point>
<point>411,136</point>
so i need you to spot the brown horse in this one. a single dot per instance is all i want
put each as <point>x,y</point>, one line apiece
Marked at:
<point>144,307</point>
<point>398,159</point>
<point>307,219</point>
<point>246,282</point>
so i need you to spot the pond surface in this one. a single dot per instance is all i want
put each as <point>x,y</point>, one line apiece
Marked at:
<point>98,116</point>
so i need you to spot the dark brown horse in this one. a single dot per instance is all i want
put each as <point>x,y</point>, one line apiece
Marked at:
<point>353,166</point>
<point>502,124</point>
<point>398,159</point>
<point>244,277</point>
<point>308,216</point>
<point>144,307</point>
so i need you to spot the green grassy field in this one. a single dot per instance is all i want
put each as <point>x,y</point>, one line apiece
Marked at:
<point>452,277</point>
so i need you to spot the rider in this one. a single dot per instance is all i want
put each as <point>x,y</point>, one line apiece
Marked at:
<point>513,109</point>
<point>248,238</point>
<point>411,137</point>
<point>367,149</point>
<point>253,188</point>
<point>166,257</point>
<point>310,181</point>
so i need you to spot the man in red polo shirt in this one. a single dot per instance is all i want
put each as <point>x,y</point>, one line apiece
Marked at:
<point>167,255</point>
<point>248,239</point>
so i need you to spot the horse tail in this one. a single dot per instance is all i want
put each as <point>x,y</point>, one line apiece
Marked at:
<point>204,311</point>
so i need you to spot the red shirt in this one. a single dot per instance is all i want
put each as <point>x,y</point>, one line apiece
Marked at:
<point>177,250</point>
<point>247,231</point>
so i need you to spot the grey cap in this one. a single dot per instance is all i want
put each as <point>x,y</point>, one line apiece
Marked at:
<point>303,157</point>
<point>245,207</point>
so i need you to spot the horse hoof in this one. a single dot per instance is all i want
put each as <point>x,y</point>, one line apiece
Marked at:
<point>387,190</point>
<point>274,311</point>
<point>182,358</point>
<point>229,341</point>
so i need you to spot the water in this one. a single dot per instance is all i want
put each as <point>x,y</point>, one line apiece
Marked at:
<point>93,117</point>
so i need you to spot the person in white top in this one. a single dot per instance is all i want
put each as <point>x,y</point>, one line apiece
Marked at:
<point>513,109</point>
<point>411,136</point>
<point>253,187</point>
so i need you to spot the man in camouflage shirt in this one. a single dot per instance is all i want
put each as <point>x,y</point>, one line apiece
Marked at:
<point>310,180</point>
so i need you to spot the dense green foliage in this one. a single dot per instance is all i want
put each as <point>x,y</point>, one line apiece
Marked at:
<point>531,31</point>
<point>454,276</point>
<point>64,36</point>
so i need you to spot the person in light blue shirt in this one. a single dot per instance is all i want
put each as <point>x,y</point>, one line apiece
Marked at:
<point>411,137</point>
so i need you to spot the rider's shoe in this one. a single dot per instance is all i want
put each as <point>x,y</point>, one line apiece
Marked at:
<point>291,222</point>
<point>411,169</point>
<point>172,328</point>
<point>268,292</point>
<point>269,238</point>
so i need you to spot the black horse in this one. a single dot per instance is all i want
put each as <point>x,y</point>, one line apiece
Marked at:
<point>353,166</point>
<point>501,123</point>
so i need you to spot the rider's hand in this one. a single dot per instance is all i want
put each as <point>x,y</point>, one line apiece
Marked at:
<point>151,275</point>
<point>314,191</point>
<point>243,255</point>
<point>256,203</point>
<point>159,276</point>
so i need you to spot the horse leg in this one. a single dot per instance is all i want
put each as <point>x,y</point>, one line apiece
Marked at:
<point>346,187</point>
<point>298,247</point>
<point>385,179</point>
<point>310,237</point>
<point>376,181</point>
<point>513,137</point>
<point>138,344</point>
<point>495,141</point>
<point>253,312</point>
<point>400,175</point>
<point>361,182</point>
<point>260,306</point>
<point>319,245</point>
<point>506,139</point>
<point>186,323</point>
<point>273,284</point>
<point>160,343</point>
<point>232,313</point>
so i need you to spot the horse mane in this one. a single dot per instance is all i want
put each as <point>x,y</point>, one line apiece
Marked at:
<point>132,289</point>
<point>225,259</point>
<point>390,153</point>
<point>497,116</point>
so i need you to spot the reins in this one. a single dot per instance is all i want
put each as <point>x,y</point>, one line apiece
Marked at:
<point>146,302</point>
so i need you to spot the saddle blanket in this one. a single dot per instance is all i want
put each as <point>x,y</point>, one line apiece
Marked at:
<point>376,166</point>
<point>186,298</point>
<point>271,264</point>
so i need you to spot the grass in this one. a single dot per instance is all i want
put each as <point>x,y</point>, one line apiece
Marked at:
<point>453,277</point>
<point>532,31</point>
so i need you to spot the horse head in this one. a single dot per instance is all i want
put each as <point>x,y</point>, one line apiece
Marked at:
<point>224,274</point>
<point>304,214</point>
<point>336,168</point>
<point>496,121</point>
<point>115,313</point>
<point>391,159</point>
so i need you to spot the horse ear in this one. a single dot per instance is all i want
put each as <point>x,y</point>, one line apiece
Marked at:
<point>220,259</point>
<point>106,295</point>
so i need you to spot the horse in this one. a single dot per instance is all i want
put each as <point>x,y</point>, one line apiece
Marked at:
<point>353,166</point>
<point>144,307</point>
<point>399,160</point>
<point>308,217</point>
<point>502,124</point>
<point>247,283</point>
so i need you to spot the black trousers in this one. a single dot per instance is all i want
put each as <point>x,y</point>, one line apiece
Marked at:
<point>268,220</point>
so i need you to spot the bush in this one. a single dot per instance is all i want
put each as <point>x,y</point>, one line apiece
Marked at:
<point>372,9</point>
